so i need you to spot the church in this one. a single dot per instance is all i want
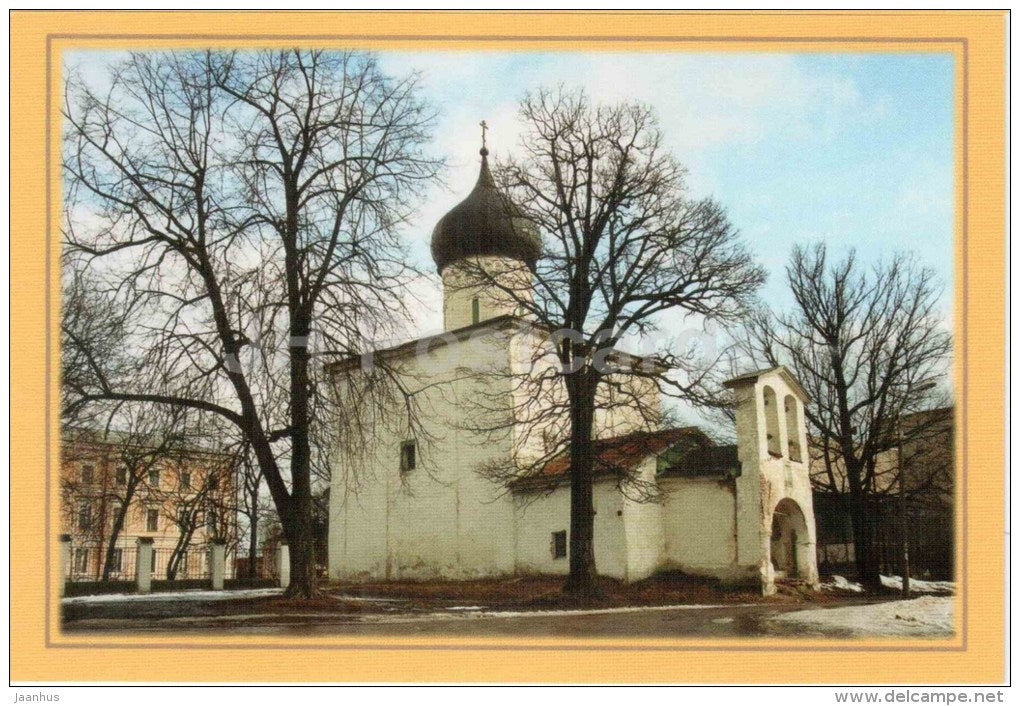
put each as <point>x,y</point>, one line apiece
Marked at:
<point>417,504</point>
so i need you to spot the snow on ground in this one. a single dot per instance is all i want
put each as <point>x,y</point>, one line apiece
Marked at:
<point>919,586</point>
<point>840,583</point>
<point>928,616</point>
<point>196,595</point>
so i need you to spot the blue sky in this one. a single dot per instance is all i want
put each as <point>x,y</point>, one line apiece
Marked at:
<point>852,149</point>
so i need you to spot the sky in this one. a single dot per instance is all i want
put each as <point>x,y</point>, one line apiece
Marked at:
<point>849,149</point>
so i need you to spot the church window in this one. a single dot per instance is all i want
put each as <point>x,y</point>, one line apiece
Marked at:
<point>475,313</point>
<point>185,480</point>
<point>151,520</point>
<point>408,456</point>
<point>154,478</point>
<point>559,544</point>
<point>122,475</point>
<point>86,473</point>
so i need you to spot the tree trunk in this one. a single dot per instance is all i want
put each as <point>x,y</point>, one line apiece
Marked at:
<point>865,556</point>
<point>253,534</point>
<point>299,526</point>
<point>582,581</point>
<point>115,530</point>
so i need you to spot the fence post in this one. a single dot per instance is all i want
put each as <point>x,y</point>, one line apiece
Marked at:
<point>283,557</point>
<point>217,554</point>
<point>143,564</point>
<point>65,558</point>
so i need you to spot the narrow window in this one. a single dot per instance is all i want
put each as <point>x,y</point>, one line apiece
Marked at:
<point>152,561</point>
<point>81,560</point>
<point>154,478</point>
<point>475,313</point>
<point>182,564</point>
<point>84,515</point>
<point>86,473</point>
<point>408,456</point>
<point>559,544</point>
<point>122,475</point>
<point>151,520</point>
<point>210,520</point>
<point>117,560</point>
<point>185,480</point>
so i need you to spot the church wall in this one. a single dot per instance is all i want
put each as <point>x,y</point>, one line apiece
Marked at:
<point>539,516</point>
<point>699,516</point>
<point>441,518</point>
<point>643,525</point>
<point>545,434</point>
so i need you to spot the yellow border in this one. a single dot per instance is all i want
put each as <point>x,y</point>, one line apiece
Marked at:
<point>977,40</point>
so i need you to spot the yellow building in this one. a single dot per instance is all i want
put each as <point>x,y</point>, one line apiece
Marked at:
<point>117,488</point>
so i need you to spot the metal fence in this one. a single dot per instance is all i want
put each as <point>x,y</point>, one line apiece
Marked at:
<point>192,564</point>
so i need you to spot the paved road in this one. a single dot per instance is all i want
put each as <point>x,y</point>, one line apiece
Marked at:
<point>717,621</point>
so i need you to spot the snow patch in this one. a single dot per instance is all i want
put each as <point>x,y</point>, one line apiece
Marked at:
<point>840,583</point>
<point>919,586</point>
<point>943,588</point>
<point>928,616</point>
<point>195,595</point>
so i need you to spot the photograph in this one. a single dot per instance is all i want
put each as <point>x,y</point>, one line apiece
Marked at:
<point>468,344</point>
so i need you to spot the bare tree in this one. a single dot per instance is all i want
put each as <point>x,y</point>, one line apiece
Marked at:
<point>625,245</point>
<point>198,497</point>
<point>245,206</point>
<point>870,347</point>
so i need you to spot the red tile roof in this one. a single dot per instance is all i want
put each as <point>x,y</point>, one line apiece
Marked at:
<point>615,455</point>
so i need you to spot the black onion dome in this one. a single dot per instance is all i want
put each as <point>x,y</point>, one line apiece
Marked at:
<point>485,223</point>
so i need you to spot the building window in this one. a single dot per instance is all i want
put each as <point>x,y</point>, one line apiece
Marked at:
<point>559,544</point>
<point>81,560</point>
<point>475,311</point>
<point>151,520</point>
<point>214,482</point>
<point>117,560</point>
<point>185,480</point>
<point>182,564</point>
<point>154,477</point>
<point>408,456</point>
<point>211,520</point>
<point>122,475</point>
<point>84,515</point>
<point>86,473</point>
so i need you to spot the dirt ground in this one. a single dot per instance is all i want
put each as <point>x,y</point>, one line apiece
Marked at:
<point>545,592</point>
<point>359,601</point>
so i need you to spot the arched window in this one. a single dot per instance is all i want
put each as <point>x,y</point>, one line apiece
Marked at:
<point>772,422</point>
<point>792,427</point>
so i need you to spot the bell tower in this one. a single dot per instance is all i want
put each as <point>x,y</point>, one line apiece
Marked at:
<point>775,517</point>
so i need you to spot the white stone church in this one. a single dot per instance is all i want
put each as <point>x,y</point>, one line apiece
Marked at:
<point>417,506</point>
